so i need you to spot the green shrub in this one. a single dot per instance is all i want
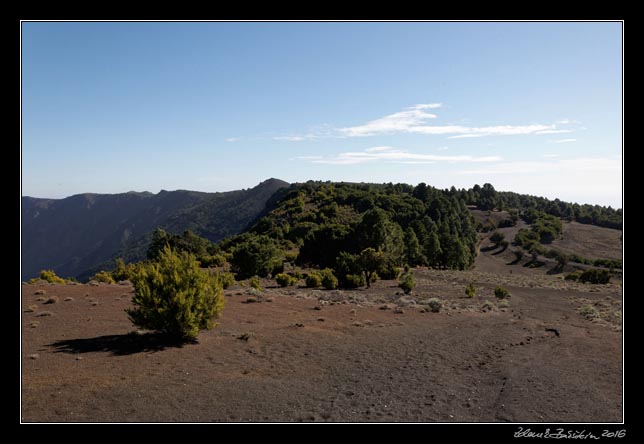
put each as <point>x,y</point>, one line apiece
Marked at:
<point>434,305</point>
<point>389,271</point>
<point>588,311</point>
<point>595,276</point>
<point>572,276</point>
<point>501,292</point>
<point>354,280</point>
<point>285,280</point>
<point>49,276</point>
<point>123,271</point>
<point>255,283</point>
<point>488,305</point>
<point>313,280</point>
<point>329,281</point>
<point>296,274</point>
<point>174,296</point>
<point>470,290</point>
<point>212,260</point>
<point>407,282</point>
<point>497,237</point>
<point>104,277</point>
<point>291,256</point>
<point>504,303</point>
<point>227,279</point>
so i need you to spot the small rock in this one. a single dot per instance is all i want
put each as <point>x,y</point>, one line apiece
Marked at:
<point>321,319</point>
<point>34,356</point>
<point>79,358</point>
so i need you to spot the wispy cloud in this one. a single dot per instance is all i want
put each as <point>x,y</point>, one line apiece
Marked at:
<point>232,139</point>
<point>292,138</point>
<point>565,140</point>
<point>392,155</point>
<point>416,120</point>
<point>550,155</point>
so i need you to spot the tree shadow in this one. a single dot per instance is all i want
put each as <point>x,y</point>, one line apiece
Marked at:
<point>119,345</point>
<point>556,270</point>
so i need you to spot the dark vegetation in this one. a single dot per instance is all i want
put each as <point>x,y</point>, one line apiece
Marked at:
<point>487,198</point>
<point>358,232</point>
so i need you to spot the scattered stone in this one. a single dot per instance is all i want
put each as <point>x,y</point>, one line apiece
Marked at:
<point>251,300</point>
<point>299,324</point>
<point>44,313</point>
<point>40,292</point>
<point>399,310</point>
<point>269,299</point>
<point>68,299</point>
<point>34,356</point>
<point>52,300</point>
<point>317,307</point>
<point>321,319</point>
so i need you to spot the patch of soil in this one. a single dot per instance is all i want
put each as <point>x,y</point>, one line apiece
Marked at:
<point>279,361</point>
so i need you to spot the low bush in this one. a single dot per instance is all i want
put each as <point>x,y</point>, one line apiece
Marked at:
<point>588,311</point>
<point>255,283</point>
<point>595,276</point>
<point>174,296</point>
<point>407,282</point>
<point>488,305</point>
<point>313,280</point>
<point>48,276</point>
<point>227,279</point>
<point>501,292</point>
<point>104,277</point>
<point>285,280</point>
<point>355,280</point>
<point>329,281</point>
<point>435,305</point>
<point>470,290</point>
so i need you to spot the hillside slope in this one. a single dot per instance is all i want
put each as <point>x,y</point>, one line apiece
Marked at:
<point>85,231</point>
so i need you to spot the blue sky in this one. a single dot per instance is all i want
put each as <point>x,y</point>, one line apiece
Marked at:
<point>529,107</point>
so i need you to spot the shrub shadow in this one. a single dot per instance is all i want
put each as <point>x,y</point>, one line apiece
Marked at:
<point>119,345</point>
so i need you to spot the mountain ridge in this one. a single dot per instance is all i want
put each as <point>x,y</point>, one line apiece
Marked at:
<point>83,231</point>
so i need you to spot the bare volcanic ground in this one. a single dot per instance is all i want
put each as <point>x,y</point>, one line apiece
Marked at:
<point>313,355</point>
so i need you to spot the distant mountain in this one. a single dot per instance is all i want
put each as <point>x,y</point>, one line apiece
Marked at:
<point>81,233</point>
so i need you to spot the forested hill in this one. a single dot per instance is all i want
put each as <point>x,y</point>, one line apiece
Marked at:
<point>324,224</point>
<point>86,231</point>
<point>330,224</point>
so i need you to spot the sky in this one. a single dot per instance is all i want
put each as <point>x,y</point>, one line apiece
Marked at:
<point>533,108</point>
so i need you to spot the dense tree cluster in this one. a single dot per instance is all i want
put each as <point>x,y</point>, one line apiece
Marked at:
<point>487,198</point>
<point>363,229</point>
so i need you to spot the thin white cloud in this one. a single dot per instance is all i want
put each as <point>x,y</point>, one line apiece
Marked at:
<point>554,131</point>
<point>442,148</point>
<point>402,121</point>
<point>465,136</point>
<point>551,155</point>
<point>393,155</point>
<point>232,139</point>
<point>291,138</point>
<point>416,120</point>
<point>565,140</point>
